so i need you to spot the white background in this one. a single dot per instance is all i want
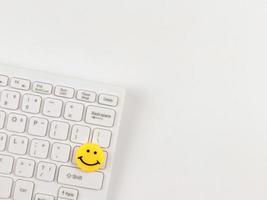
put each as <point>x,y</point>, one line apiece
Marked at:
<point>194,125</point>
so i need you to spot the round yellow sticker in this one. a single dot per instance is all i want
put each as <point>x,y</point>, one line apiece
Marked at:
<point>90,157</point>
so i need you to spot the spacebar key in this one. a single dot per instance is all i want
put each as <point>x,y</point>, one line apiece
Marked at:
<point>75,177</point>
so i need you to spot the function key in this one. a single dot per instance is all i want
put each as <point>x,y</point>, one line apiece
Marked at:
<point>3,80</point>
<point>21,84</point>
<point>109,100</point>
<point>62,91</point>
<point>85,95</point>
<point>43,88</point>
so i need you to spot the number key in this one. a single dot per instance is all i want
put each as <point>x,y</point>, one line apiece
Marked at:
<point>9,99</point>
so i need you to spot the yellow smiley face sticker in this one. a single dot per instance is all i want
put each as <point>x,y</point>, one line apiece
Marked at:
<point>89,157</point>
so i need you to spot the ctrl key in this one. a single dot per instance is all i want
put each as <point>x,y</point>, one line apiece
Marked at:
<point>6,187</point>
<point>23,190</point>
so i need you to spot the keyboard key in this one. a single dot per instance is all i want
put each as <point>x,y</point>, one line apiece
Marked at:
<point>39,148</point>
<point>60,152</point>
<point>101,137</point>
<point>3,139</point>
<point>18,144</point>
<point>24,167</point>
<point>46,171</point>
<point>73,155</point>
<point>21,84</point>
<point>31,103</point>
<point>16,122</point>
<point>105,162</point>
<point>76,177</point>
<point>80,134</point>
<point>23,190</point>
<point>108,100</point>
<point>100,116</point>
<point>59,130</point>
<point>43,88</point>
<point>3,80</point>
<point>65,92</point>
<point>73,111</point>
<point>52,107</point>
<point>37,126</point>
<point>44,197</point>
<point>9,99</point>
<point>6,164</point>
<point>68,193</point>
<point>2,119</point>
<point>86,96</point>
<point>6,187</point>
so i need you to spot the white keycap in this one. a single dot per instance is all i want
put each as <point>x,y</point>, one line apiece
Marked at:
<point>73,160</point>
<point>18,144</point>
<point>46,171</point>
<point>84,95</point>
<point>37,126</point>
<point>59,130</point>
<point>31,103</point>
<point>68,175</point>
<point>16,122</point>
<point>9,99</point>
<point>105,161</point>
<point>43,88</point>
<point>21,84</point>
<point>23,190</point>
<point>68,193</point>
<point>6,187</point>
<point>52,107</point>
<point>3,139</point>
<point>62,91</point>
<point>44,197</point>
<point>2,119</point>
<point>6,164</point>
<point>60,152</point>
<point>39,148</point>
<point>80,134</point>
<point>101,137</point>
<point>3,80</point>
<point>108,100</point>
<point>100,116</point>
<point>24,167</point>
<point>73,111</point>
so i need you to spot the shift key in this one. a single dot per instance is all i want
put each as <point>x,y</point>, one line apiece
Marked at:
<point>75,177</point>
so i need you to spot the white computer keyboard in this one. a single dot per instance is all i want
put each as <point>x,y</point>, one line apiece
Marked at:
<point>43,119</point>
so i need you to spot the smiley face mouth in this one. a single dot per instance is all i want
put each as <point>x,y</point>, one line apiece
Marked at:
<point>88,164</point>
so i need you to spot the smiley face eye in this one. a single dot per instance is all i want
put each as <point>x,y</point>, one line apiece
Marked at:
<point>95,152</point>
<point>88,151</point>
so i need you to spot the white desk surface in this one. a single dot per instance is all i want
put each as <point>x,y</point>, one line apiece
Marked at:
<point>194,125</point>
